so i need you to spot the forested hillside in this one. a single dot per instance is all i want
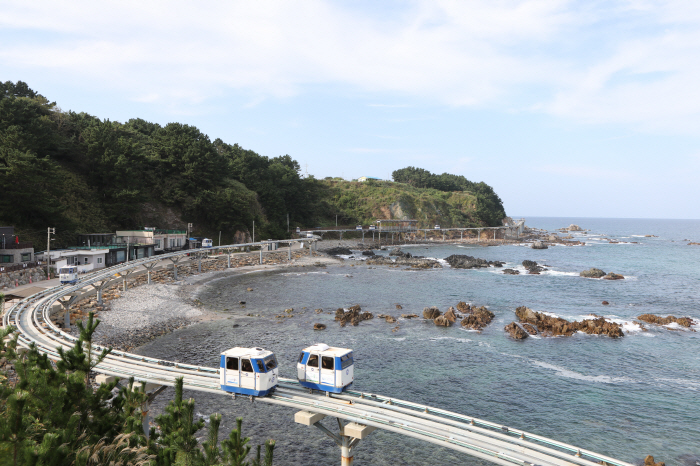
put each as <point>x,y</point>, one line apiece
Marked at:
<point>81,174</point>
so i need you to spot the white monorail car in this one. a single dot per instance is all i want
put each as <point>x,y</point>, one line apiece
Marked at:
<point>248,371</point>
<point>207,243</point>
<point>326,368</point>
<point>68,275</point>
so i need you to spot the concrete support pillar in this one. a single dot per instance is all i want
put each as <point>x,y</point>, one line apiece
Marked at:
<point>199,264</point>
<point>66,319</point>
<point>289,255</point>
<point>228,265</point>
<point>461,235</point>
<point>260,255</point>
<point>175,271</point>
<point>99,287</point>
<point>148,268</point>
<point>443,236</point>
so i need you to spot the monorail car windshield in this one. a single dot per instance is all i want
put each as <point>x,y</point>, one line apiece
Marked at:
<point>68,275</point>
<point>326,368</point>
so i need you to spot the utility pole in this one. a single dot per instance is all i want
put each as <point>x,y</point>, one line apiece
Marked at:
<point>49,231</point>
<point>219,237</point>
<point>287,222</point>
<point>336,220</point>
<point>189,228</point>
<point>253,231</point>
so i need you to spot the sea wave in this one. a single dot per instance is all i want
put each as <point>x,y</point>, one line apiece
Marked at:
<point>564,372</point>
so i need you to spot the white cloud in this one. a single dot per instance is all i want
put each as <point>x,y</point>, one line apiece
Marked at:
<point>625,62</point>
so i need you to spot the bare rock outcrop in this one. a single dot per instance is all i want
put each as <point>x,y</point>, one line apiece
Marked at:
<point>511,272</point>
<point>592,273</point>
<point>431,312</point>
<point>613,276</point>
<point>533,267</point>
<point>556,326</point>
<point>539,245</point>
<point>442,321</point>
<point>478,318</point>
<point>649,461</point>
<point>319,326</point>
<point>353,315</point>
<point>450,315</point>
<point>515,331</point>
<point>658,320</point>
<point>460,261</point>
<point>463,307</point>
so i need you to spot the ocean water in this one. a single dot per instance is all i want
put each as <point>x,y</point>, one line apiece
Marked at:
<point>626,397</point>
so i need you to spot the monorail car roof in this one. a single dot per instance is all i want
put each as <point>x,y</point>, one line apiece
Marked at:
<point>323,348</point>
<point>249,352</point>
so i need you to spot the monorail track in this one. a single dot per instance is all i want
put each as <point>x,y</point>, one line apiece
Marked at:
<point>479,438</point>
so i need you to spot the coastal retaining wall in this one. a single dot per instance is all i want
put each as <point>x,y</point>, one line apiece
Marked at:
<point>10,280</point>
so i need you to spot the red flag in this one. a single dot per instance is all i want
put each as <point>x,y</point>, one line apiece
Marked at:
<point>16,239</point>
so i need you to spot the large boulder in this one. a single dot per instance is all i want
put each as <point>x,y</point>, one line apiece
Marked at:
<point>442,321</point>
<point>463,307</point>
<point>573,227</point>
<point>515,331</point>
<point>592,273</point>
<point>479,318</point>
<point>339,251</point>
<point>649,461</point>
<point>431,312</point>
<point>532,267</point>
<point>613,276</point>
<point>399,253</point>
<point>461,261</point>
<point>538,245</point>
<point>319,326</point>
<point>450,315</point>
<point>511,272</point>
<point>368,253</point>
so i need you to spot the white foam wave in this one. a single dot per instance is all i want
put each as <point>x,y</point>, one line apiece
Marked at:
<point>563,372</point>
<point>461,340</point>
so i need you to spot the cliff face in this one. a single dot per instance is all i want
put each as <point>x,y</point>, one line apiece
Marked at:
<point>364,203</point>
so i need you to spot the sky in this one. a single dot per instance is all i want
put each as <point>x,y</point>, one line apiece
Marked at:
<point>567,108</point>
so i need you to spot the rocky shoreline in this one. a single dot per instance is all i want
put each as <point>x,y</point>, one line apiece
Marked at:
<point>129,319</point>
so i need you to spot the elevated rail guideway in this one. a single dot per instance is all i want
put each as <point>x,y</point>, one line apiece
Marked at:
<point>357,413</point>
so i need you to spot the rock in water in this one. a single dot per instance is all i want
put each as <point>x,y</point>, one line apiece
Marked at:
<point>463,307</point>
<point>573,227</point>
<point>605,303</point>
<point>390,319</point>
<point>658,320</point>
<point>511,272</point>
<point>592,273</point>
<point>398,306</point>
<point>368,253</point>
<point>442,321</point>
<point>450,315</point>
<point>431,312</point>
<point>478,319</point>
<point>515,331</point>
<point>613,276</point>
<point>649,461</point>
<point>319,327</point>
<point>539,245</point>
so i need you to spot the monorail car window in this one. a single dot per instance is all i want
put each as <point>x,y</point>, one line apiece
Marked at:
<point>346,361</point>
<point>313,361</point>
<point>327,362</point>
<point>246,366</point>
<point>270,362</point>
<point>261,367</point>
<point>301,356</point>
<point>232,364</point>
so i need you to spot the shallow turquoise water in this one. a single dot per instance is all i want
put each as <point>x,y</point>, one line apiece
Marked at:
<point>627,397</point>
